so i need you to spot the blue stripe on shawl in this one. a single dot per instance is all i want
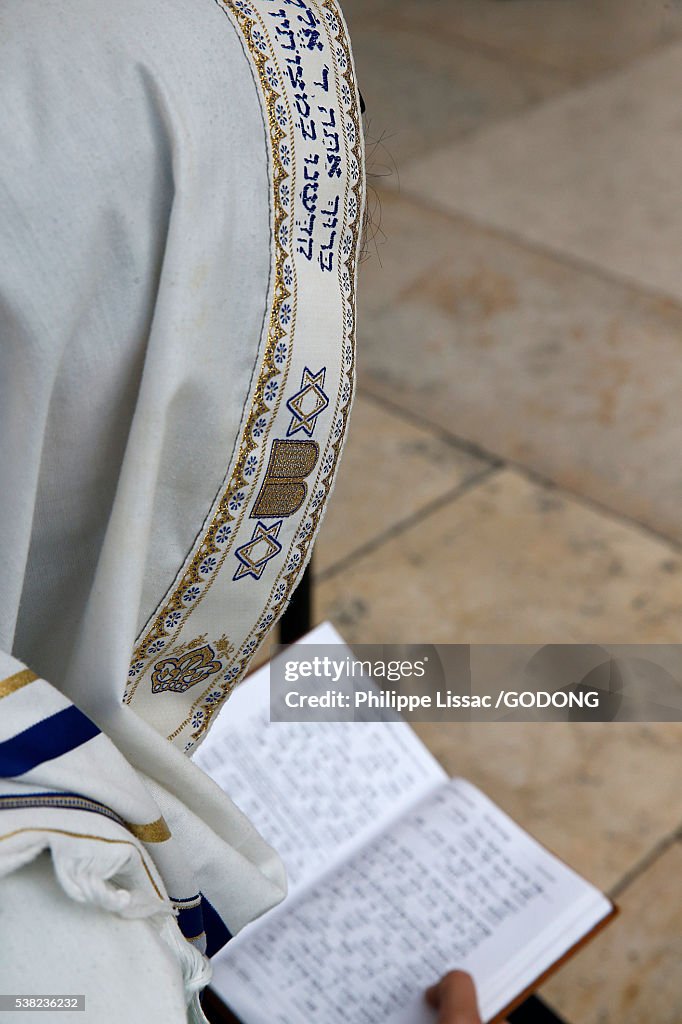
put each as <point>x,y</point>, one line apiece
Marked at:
<point>217,932</point>
<point>54,736</point>
<point>191,921</point>
<point>203,918</point>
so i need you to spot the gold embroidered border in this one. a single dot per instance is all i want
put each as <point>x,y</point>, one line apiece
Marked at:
<point>349,337</point>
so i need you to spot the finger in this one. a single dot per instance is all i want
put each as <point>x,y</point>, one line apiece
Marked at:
<point>431,995</point>
<point>455,998</point>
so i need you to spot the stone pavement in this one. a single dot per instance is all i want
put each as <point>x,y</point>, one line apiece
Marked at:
<point>514,466</point>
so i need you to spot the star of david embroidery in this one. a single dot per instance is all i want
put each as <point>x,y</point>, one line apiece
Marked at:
<point>307,404</point>
<point>257,552</point>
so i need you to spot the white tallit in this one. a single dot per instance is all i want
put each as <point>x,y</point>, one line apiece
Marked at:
<point>181,190</point>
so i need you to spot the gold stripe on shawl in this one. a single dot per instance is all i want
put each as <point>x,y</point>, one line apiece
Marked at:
<point>16,682</point>
<point>155,832</point>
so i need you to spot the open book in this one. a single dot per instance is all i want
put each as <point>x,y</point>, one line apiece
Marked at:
<point>397,874</point>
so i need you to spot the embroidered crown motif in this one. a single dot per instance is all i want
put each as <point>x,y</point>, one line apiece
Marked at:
<point>179,673</point>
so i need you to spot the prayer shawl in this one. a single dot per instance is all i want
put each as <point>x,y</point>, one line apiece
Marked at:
<point>182,192</point>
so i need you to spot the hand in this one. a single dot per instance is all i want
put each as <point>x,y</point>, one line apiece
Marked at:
<point>455,999</point>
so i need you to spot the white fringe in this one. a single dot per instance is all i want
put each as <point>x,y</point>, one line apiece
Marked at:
<point>196,968</point>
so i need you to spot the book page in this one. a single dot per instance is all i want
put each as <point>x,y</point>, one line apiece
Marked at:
<point>454,883</point>
<point>316,791</point>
